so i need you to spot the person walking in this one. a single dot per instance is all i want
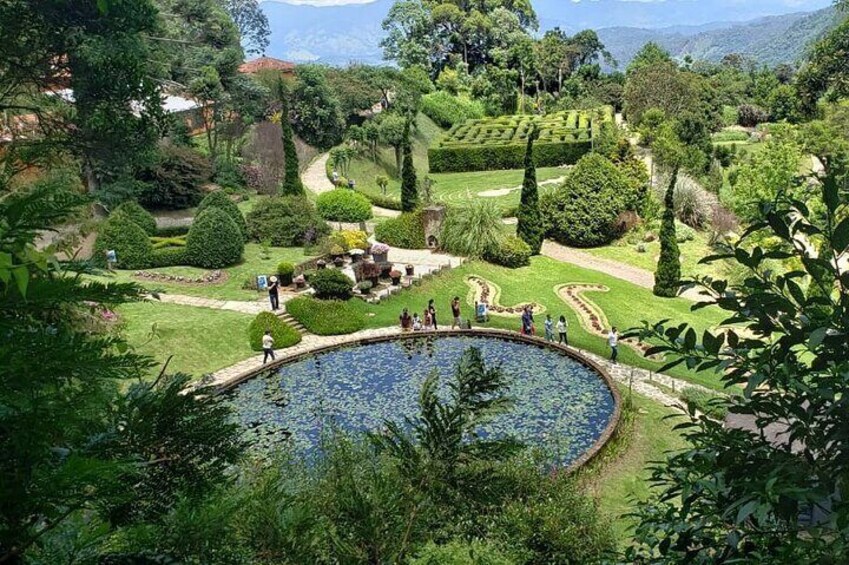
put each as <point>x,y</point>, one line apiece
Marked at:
<point>455,312</point>
<point>562,327</point>
<point>267,347</point>
<point>613,342</point>
<point>273,293</point>
<point>406,321</point>
<point>432,310</point>
<point>549,328</point>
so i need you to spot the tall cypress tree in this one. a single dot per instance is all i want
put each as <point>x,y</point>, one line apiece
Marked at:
<point>530,228</point>
<point>667,278</point>
<point>409,188</point>
<point>292,184</point>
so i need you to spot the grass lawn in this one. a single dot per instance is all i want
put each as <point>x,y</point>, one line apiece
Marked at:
<point>253,264</point>
<point>626,305</point>
<point>201,340</point>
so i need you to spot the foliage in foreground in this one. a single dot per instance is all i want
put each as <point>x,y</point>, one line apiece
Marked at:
<point>746,497</point>
<point>326,317</point>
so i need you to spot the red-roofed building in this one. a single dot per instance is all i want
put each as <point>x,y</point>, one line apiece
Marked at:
<point>267,64</point>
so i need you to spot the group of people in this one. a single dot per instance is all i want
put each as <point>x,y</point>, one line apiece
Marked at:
<point>428,321</point>
<point>335,177</point>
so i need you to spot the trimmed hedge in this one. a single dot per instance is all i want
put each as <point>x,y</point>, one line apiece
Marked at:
<point>344,205</point>
<point>222,201</point>
<point>326,317</point>
<point>134,212</point>
<point>129,241</point>
<point>214,241</point>
<point>511,252</point>
<point>460,159</point>
<point>447,110</point>
<point>383,201</point>
<point>172,231</point>
<point>284,335</point>
<point>331,284</point>
<point>405,231</point>
<point>168,257</point>
<point>288,221</point>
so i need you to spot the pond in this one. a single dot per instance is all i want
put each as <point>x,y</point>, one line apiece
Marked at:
<point>560,405</point>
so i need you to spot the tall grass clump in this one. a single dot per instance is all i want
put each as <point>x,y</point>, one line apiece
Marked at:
<point>472,231</point>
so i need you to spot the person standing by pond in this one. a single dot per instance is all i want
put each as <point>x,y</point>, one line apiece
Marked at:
<point>455,312</point>
<point>432,311</point>
<point>562,327</point>
<point>549,328</point>
<point>406,321</point>
<point>613,342</point>
<point>267,347</point>
<point>273,293</point>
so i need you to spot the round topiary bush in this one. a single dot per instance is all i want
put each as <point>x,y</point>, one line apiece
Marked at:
<point>331,284</point>
<point>284,335</point>
<point>214,240</point>
<point>131,244</point>
<point>285,272</point>
<point>406,231</point>
<point>288,221</point>
<point>584,211</point>
<point>511,252</point>
<point>344,205</point>
<point>138,215</point>
<point>220,200</point>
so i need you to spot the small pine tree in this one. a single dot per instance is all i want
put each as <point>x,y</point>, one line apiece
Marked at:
<point>667,279</point>
<point>409,188</point>
<point>530,228</point>
<point>292,185</point>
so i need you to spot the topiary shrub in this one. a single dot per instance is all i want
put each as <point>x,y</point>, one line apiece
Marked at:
<point>175,181</point>
<point>447,110</point>
<point>284,335</point>
<point>472,231</point>
<point>135,213</point>
<point>511,252</point>
<point>405,231</point>
<point>285,272</point>
<point>529,227</point>
<point>667,277</point>
<point>129,241</point>
<point>331,284</point>
<point>220,200</point>
<point>326,317</point>
<point>214,240</point>
<point>287,221</point>
<point>749,115</point>
<point>344,205</point>
<point>584,211</point>
<point>168,257</point>
<point>409,182</point>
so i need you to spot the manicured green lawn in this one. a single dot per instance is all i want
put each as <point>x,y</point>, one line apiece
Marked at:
<point>626,305</point>
<point>201,340</point>
<point>254,263</point>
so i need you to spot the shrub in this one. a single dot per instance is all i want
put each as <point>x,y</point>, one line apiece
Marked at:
<point>406,231</point>
<point>284,335</point>
<point>383,201</point>
<point>409,182</point>
<point>129,241</point>
<point>529,227</point>
<point>447,110</point>
<point>214,241</point>
<point>168,257</point>
<point>172,231</point>
<point>511,252</point>
<point>693,205</point>
<point>175,181</point>
<point>163,242</point>
<point>749,115</point>
<point>584,211</point>
<point>712,405</point>
<point>331,284</point>
<point>344,205</point>
<point>461,552</point>
<point>285,272</point>
<point>472,231</point>
<point>135,213</point>
<point>350,239</point>
<point>667,277</point>
<point>326,317</point>
<point>287,221</point>
<point>220,200</point>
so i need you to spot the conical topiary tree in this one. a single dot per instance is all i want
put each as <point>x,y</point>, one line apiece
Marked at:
<point>292,185</point>
<point>218,199</point>
<point>409,188</point>
<point>667,278</point>
<point>530,228</point>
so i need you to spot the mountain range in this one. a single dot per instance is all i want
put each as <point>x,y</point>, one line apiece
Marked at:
<point>766,30</point>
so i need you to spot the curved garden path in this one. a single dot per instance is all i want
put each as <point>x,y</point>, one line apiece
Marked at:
<point>315,180</point>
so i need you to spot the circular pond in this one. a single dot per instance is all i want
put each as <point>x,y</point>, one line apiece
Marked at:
<point>560,404</point>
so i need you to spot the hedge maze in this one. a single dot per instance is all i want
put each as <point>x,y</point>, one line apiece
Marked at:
<point>499,143</point>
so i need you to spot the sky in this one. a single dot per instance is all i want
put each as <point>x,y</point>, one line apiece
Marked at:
<point>780,5</point>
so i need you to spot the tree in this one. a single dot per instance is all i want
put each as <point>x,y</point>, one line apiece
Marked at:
<point>530,228</point>
<point>667,278</point>
<point>382,181</point>
<point>767,486</point>
<point>316,112</point>
<point>292,185</point>
<point>252,23</point>
<point>661,86</point>
<point>826,70</point>
<point>392,130</point>
<point>409,184</point>
<point>649,56</point>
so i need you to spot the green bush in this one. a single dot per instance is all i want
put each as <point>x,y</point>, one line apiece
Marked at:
<point>129,241</point>
<point>214,240</point>
<point>344,205</point>
<point>172,231</point>
<point>709,404</point>
<point>284,335</point>
<point>461,552</point>
<point>331,284</point>
<point>135,213</point>
<point>383,201</point>
<point>326,317</point>
<point>287,221</point>
<point>164,242</point>
<point>285,272</point>
<point>175,181</point>
<point>465,158</point>
<point>168,257</point>
<point>472,231</point>
<point>584,211</point>
<point>405,231</point>
<point>220,200</point>
<point>511,252</point>
<point>447,110</point>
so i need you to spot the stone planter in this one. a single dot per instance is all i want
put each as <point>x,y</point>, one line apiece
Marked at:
<point>356,255</point>
<point>396,277</point>
<point>339,262</point>
<point>380,257</point>
<point>410,270</point>
<point>321,264</point>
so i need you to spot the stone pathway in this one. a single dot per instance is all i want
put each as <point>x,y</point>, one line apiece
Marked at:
<point>244,307</point>
<point>634,275</point>
<point>315,180</point>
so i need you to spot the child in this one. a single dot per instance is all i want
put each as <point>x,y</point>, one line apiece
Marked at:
<point>549,328</point>
<point>267,347</point>
<point>562,326</point>
<point>428,320</point>
<point>417,322</point>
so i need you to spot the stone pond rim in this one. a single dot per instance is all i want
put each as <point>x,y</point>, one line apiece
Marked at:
<point>600,371</point>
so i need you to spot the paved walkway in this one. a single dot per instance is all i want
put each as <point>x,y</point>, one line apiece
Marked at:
<point>253,308</point>
<point>631,274</point>
<point>315,180</point>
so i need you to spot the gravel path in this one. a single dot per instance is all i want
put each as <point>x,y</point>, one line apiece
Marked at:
<point>315,180</point>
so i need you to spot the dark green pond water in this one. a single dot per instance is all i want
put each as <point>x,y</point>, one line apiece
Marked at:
<point>560,405</point>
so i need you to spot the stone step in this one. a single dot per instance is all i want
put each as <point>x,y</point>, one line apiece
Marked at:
<point>286,317</point>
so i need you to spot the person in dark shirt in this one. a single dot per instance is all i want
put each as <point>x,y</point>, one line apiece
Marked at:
<point>273,293</point>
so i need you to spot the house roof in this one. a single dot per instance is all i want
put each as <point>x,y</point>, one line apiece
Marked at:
<point>266,64</point>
